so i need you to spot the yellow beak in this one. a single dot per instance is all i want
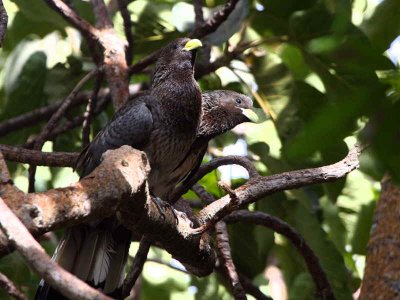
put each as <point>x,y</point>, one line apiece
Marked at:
<point>250,114</point>
<point>192,44</point>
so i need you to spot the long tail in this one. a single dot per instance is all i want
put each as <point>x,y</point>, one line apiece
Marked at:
<point>95,254</point>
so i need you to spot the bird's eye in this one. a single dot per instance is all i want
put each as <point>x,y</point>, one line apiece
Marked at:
<point>175,46</point>
<point>238,101</point>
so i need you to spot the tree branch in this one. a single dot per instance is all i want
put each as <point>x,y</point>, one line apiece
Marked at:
<point>215,21</point>
<point>41,138</point>
<point>3,22</point>
<point>10,287</point>
<point>259,187</point>
<point>126,17</point>
<point>382,264</point>
<point>225,256</point>
<point>36,257</point>
<point>198,11</point>
<point>211,166</point>
<point>88,116</point>
<point>324,290</point>
<point>103,20</point>
<point>72,17</point>
<point>137,266</point>
<point>39,158</point>
<point>37,115</point>
<point>118,186</point>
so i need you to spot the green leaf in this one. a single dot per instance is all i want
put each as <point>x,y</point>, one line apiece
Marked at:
<point>293,59</point>
<point>302,287</point>
<point>363,227</point>
<point>24,87</point>
<point>330,258</point>
<point>384,25</point>
<point>250,247</point>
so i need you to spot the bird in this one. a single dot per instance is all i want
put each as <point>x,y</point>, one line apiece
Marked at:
<point>163,123</point>
<point>222,110</point>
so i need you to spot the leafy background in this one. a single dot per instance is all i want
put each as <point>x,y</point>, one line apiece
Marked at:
<point>325,71</point>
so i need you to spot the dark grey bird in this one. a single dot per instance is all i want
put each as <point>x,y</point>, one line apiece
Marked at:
<point>222,110</point>
<point>163,124</point>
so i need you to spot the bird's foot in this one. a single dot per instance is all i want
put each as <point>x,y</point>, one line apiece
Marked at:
<point>162,206</point>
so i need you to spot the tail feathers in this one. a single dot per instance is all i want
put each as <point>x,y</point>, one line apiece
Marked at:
<point>97,255</point>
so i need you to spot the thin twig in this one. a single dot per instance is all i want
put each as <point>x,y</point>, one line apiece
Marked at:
<point>41,138</point>
<point>222,238</point>
<point>73,123</point>
<point>10,287</point>
<point>137,266</point>
<point>198,11</point>
<point>324,290</point>
<point>39,158</point>
<point>88,115</point>
<point>144,62</point>
<point>19,237</point>
<point>252,289</point>
<point>37,115</point>
<point>3,22</point>
<point>215,21</point>
<point>126,17</point>
<point>103,19</point>
<point>211,166</point>
<point>225,256</point>
<point>72,17</point>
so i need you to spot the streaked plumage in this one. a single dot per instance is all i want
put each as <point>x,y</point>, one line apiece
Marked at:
<point>162,123</point>
<point>222,110</point>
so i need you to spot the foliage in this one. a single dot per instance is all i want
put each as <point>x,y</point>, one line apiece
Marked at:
<point>318,68</point>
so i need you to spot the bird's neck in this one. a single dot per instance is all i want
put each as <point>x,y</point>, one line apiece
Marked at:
<point>216,121</point>
<point>180,99</point>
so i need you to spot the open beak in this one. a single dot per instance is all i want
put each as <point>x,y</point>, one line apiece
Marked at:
<point>192,45</point>
<point>250,114</point>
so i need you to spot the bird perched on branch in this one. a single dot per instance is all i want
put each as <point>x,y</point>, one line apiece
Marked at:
<point>163,124</point>
<point>222,110</point>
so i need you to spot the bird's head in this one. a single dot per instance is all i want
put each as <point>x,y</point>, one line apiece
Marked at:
<point>181,54</point>
<point>238,104</point>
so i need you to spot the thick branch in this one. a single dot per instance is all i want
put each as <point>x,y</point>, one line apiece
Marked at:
<point>36,257</point>
<point>3,22</point>
<point>324,290</point>
<point>117,185</point>
<point>9,286</point>
<point>381,277</point>
<point>215,21</point>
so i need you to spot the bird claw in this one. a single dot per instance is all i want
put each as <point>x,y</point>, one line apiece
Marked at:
<point>162,206</point>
